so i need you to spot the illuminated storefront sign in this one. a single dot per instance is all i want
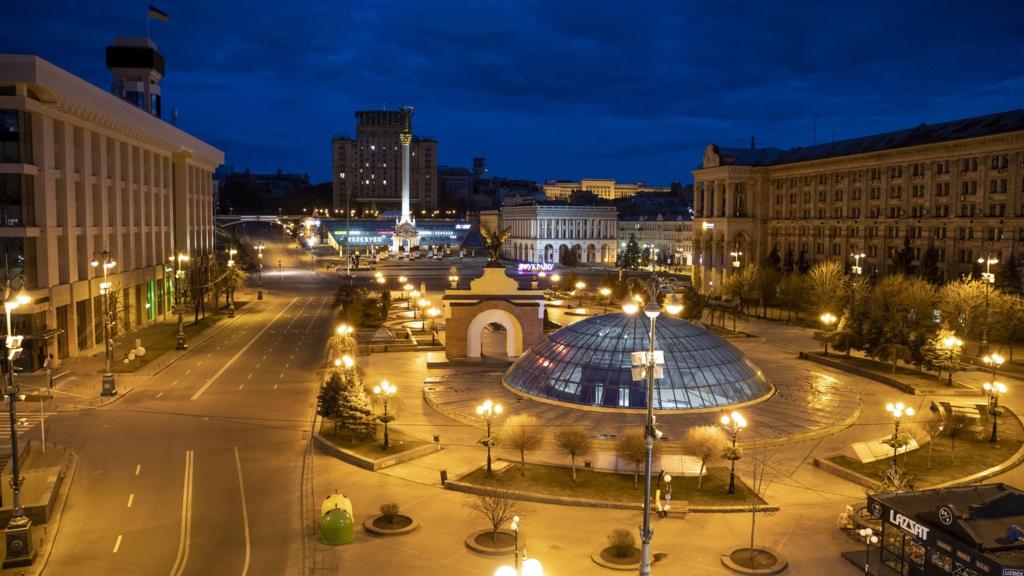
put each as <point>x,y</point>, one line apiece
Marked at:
<point>535,267</point>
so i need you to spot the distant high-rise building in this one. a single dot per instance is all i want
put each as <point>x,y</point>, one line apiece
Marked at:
<point>368,168</point>
<point>137,68</point>
<point>479,168</point>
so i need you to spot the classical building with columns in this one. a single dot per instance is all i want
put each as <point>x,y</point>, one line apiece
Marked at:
<point>669,240</point>
<point>83,171</point>
<point>545,234</point>
<point>950,193</point>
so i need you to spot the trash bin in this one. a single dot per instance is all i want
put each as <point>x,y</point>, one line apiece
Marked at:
<point>337,525</point>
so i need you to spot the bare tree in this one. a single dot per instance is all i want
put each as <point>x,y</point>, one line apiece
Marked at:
<point>497,508</point>
<point>706,443</point>
<point>632,447</point>
<point>575,443</point>
<point>762,478</point>
<point>956,425</point>
<point>828,287</point>
<point>523,433</point>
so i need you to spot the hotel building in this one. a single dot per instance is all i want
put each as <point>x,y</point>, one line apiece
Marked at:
<point>83,171</point>
<point>955,187</point>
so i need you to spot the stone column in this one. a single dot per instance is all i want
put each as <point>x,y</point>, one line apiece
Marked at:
<point>406,139</point>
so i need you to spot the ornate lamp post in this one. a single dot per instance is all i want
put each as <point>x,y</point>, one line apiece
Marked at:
<point>995,390</point>
<point>869,538</point>
<point>385,391</point>
<point>433,313</point>
<point>555,279</point>
<point>179,294</point>
<point>951,345</point>
<point>420,305</point>
<point>488,410</point>
<point>989,279</point>
<point>733,423</point>
<point>856,267</point>
<point>579,292</point>
<point>827,320</point>
<point>530,566</point>
<point>259,271</point>
<point>231,296</point>
<point>109,387</point>
<point>647,365</point>
<point>994,362</point>
<point>898,411</point>
<point>736,258</point>
<point>18,532</point>
<point>605,293</point>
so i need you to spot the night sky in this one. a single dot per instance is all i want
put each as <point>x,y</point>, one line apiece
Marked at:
<point>548,89</point>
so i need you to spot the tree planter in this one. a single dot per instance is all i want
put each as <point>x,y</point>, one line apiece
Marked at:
<point>765,561</point>
<point>606,557</point>
<point>482,542</point>
<point>382,526</point>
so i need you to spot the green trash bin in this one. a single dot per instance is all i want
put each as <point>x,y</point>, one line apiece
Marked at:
<point>336,527</point>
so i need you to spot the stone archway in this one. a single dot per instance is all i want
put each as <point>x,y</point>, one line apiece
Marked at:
<point>513,332</point>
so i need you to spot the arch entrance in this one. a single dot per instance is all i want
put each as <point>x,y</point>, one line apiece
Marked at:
<point>493,303</point>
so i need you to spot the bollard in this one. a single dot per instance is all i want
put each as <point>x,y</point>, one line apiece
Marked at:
<point>444,477</point>
<point>437,438</point>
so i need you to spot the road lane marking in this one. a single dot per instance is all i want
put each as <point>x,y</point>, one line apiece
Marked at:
<point>187,372</point>
<point>186,517</point>
<point>275,386</point>
<point>245,515</point>
<point>160,394</point>
<point>198,363</point>
<point>131,498</point>
<point>173,383</point>
<point>138,469</point>
<point>282,375</point>
<point>241,386</point>
<point>240,352</point>
<point>249,376</point>
<point>117,544</point>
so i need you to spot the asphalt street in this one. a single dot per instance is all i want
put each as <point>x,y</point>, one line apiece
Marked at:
<point>198,470</point>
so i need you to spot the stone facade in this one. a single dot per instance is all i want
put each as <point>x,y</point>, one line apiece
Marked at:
<point>670,239</point>
<point>544,234</point>
<point>493,298</point>
<point>954,189</point>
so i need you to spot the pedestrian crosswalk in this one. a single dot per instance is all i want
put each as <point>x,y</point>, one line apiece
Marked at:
<point>25,421</point>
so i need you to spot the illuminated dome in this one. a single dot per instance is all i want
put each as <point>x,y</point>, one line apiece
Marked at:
<point>588,363</point>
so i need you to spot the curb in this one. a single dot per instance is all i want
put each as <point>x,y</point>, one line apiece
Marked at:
<point>472,545</point>
<point>780,564</point>
<point>45,551</point>
<point>458,486</point>
<point>595,556</point>
<point>372,464</point>
<point>369,527</point>
<point>881,378</point>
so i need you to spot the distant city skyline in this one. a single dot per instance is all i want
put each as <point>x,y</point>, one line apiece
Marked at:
<point>547,91</point>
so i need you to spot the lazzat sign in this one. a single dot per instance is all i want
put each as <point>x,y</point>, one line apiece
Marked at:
<point>907,524</point>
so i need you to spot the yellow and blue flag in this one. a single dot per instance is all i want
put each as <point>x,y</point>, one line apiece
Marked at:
<point>157,14</point>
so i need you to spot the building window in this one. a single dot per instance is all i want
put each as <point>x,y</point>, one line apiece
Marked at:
<point>15,137</point>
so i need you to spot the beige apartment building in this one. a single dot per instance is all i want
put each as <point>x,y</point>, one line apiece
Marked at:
<point>81,172</point>
<point>604,188</point>
<point>956,187</point>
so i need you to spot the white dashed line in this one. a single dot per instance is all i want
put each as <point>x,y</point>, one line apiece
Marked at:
<point>131,498</point>
<point>138,469</point>
<point>160,394</point>
<point>117,544</point>
<point>242,386</point>
<point>173,383</point>
<point>275,386</point>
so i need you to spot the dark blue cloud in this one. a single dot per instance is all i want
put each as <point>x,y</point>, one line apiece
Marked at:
<point>546,89</point>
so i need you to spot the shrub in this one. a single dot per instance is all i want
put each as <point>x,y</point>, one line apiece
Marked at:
<point>389,510</point>
<point>622,542</point>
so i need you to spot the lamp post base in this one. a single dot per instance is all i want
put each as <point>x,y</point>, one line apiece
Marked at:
<point>231,311</point>
<point>180,344</point>
<point>259,293</point>
<point>109,388</point>
<point>18,540</point>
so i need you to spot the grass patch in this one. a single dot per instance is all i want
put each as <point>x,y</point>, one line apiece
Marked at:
<point>610,486</point>
<point>162,337</point>
<point>370,448</point>
<point>973,453</point>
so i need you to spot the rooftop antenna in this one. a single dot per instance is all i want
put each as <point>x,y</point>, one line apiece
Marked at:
<point>174,117</point>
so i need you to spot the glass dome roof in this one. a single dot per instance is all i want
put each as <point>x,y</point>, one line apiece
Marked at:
<point>588,363</point>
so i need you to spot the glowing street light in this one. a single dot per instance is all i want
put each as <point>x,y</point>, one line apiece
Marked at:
<point>827,320</point>
<point>19,526</point>
<point>993,361</point>
<point>579,291</point>
<point>736,258</point>
<point>433,313</point>
<point>898,411</point>
<point>856,267</point>
<point>605,293</point>
<point>488,410</point>
<point>733,423</point>
<point>951,344</point>
<point>869,538</point>
<point>384,391</point>
<point>995,390</point>
<point>989,278</point>
<point>108,385</point>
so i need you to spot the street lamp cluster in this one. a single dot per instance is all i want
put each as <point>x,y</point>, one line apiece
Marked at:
<point>488,410</point>
<point>827,320</point>
<point>989,278</point>
<point>179,295</point>
<point>733,424</point>
<point>384,391</point>
<point>898,411</point>
<point>107,262</point>
<point>995,390</point>
<point>259,271</point>
<point>19,551</point>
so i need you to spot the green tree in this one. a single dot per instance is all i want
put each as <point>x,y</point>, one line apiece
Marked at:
<point>941,356</point>
<point>788,263</point>
<point>234,278</point>
<point>929,269</point>
<point>574,442</point>
<point>694,303</point>
<point>743,285</point>
<point>385,302</point>
<point>792,294</point>
<point>828,287</point>
<point>893,311</point>
<point>328,400</point>
<point>774,260</point>
<point>962,305</point>
<point>355,414</point>
<point>631,255</point>
<point>524,433</point>
<point>571,258</point>
<point>903,258</point>
<point>803,264</point>
<point>768,287</point>
<point>1008,276</point>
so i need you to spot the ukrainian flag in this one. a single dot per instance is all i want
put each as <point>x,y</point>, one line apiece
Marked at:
<point>157,14</point>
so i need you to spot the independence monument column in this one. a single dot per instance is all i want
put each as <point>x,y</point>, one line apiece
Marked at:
<point>405,227</point>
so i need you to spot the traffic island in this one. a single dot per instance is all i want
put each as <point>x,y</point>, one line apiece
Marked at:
<point>755,561</point>
<point>390,525</point>
<point>370,454</point>
<point>945,460</point>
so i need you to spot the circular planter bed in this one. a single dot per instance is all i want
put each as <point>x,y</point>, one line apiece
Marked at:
<point>762,561</point>
<point>482,542</point>
<point>607,557</point>
<point>390,525</point>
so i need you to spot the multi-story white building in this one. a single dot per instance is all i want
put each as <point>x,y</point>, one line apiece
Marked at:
<point>545,234</point>
<point>81,172</point>
<point>668,241</point>
<point>601,187</point>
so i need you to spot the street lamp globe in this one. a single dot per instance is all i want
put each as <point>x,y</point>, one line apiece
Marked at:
<point>505,571</point>
<point>532,567</point>
<point>402,279</point>
<point>630,308</point>
<point>556,278</point>
<point>994,387</point>
<point>581,285</point>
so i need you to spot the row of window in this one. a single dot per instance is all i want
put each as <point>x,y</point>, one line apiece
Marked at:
<point>916,170</point>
